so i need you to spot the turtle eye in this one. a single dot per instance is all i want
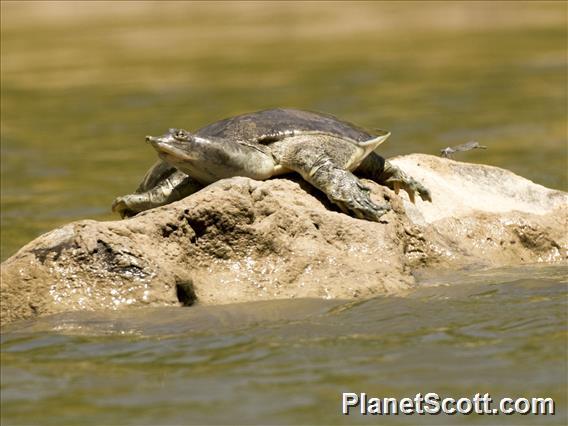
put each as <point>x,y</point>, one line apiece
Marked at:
<point>181,135</point>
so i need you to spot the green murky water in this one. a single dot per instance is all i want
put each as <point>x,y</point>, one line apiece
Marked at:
<point>288,362</point>
<point>82,84</point>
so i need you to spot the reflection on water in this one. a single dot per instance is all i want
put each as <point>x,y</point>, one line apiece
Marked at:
<point>288,361</point>
<point>82,84</point>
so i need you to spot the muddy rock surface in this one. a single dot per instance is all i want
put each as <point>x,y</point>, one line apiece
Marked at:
<point>243,240</point>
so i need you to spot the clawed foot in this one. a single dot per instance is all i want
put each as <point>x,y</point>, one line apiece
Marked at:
<point>400,181</point>
<point>411,187</point>
<point>352,197</point>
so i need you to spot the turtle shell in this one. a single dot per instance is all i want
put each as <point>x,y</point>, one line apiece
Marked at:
<point>249,127</point>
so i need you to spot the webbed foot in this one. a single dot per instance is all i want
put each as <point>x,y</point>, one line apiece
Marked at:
<point>352,197</point>
<point>123,206</point>
<point>173,188</point>
<point>411,186</point>
<point>399,180</point>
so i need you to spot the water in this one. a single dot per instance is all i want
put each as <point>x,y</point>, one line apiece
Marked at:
<point>82,84</point>
<point>287,362</point>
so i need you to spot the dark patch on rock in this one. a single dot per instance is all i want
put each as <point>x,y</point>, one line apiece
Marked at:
<point>168,229</point>
<point>120,262</point>
<point>53,253</point>
<point>185,292</point>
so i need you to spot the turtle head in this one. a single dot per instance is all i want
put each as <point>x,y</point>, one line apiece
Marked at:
<point>174,147</point>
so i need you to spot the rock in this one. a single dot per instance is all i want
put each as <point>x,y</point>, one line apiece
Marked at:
<point>242,240</point>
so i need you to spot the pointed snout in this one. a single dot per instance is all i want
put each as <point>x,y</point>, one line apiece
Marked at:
<point>151,139</point>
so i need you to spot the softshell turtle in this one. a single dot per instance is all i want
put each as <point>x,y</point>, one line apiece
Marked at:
<point>321,148</point>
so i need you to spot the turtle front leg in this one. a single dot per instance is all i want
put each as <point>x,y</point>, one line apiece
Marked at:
<point>346,191</point>
<point>341,186</point>
<point>376,168</point>
<point>174,188</point>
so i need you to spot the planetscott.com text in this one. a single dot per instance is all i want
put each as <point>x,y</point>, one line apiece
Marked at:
<point>432,403</point>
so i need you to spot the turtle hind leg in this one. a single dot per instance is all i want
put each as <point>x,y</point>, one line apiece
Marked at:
<point>173,188</point>
<point>383,172</point>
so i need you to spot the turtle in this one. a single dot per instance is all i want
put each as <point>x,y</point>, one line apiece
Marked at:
<point>327,152</point>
